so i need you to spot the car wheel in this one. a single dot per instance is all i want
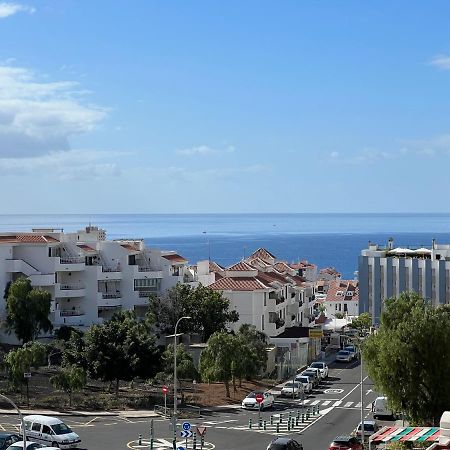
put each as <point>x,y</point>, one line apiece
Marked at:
<point>376,417</point>
<point>55,444</point>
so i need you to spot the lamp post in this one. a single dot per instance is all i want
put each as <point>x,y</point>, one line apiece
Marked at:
<point>175,369</point>
<point>24,434</point>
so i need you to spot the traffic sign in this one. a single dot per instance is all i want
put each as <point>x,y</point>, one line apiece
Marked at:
<point>27,375</point>
<point>186,434</point>
<point>186,426</point>
<point>315,333</point>
<point>181,448</point>
<point>165,389</point>
<point>259,398</point>
<point>201,431</point>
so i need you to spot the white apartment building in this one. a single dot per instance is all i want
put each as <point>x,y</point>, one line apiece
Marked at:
<point>342,297</point>
<point>385,272</point>
<point>266,293</point>
<point>88,276</point>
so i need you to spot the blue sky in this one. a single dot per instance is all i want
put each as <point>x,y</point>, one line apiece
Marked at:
<point>207,106</point>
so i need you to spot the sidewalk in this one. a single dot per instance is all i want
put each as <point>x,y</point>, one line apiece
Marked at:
<point>132,414</point>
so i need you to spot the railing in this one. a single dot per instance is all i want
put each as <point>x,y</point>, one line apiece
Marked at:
<point>111,269</point>
<point>144,269</point>
<point>279,300</point>
<point>144,294</point>
<point>70,312</point>
<point>116,295</point>
<point>73,287</point>
<point>71,260</point>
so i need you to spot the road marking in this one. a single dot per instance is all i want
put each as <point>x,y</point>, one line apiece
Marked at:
<point>92,420</point>
<point>337,403</point>
<point>358,405</point>
<point>315,402</point>
<point>326,403</point>
<point>348,404</point>
<point>333,391</point>
<point>306,401</point>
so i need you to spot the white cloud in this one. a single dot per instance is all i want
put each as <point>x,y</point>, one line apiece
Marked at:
<point>37,117</point>
<point>204,150</point>
<point>441,61</point>
<point>9,9</point>
<point>64,165</point>
<point>334,155</point>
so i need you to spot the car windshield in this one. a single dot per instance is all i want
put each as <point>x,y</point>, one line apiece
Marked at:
<point>277,447</point>
<point>291,385</point>
<point>302,379</point>
<point>349,347</point>
<point>61,428</point>
<point>367,427</point>
<point>251,395</point>
<point>317,365</point>
<point>309,373</point>
<point>343,352</point>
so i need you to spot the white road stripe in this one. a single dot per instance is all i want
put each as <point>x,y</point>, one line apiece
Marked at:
<point>348,404</point>
<point>326,403</point>
<point>358,405</point>
<point>306,401</point>
<point>315,402</point>
<point>337,403</point>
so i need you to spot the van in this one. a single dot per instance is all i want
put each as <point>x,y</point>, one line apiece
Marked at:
<point>50,431</point>
<point>380,408</point>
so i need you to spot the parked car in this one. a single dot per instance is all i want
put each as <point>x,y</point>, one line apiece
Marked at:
<point>306,382</point>
<point>250,402</point>
<point>352,349</point>
<point>7,439</point>
<point>380,408</point>
<point>323,368</point>
<point>50,431</point>
<point>30,446</point>
<point>317,371</point>
<point>292,389</point>
<point>346,443</point>
<point>313,375</point>
<point>283,443</point>
<point>343,356</point>
<point>370,427</point>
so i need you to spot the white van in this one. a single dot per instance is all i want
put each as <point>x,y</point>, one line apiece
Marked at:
<point>380,408</point>
<point>50,431</point>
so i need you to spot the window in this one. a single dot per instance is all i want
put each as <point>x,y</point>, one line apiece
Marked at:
<point>46,429</point>
<point>349,293</point>
<point>339,293</point>
<point>265,299</point>
<point>36,426</point>
<point>262,322</point>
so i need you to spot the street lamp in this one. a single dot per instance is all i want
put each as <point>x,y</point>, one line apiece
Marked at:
<point>24,434</point>
<point>175,369</point>
<point>359,345</point>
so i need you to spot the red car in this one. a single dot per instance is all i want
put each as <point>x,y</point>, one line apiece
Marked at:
<point>346,443</point>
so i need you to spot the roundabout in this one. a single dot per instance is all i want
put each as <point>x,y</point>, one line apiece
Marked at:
<point>166,444</point>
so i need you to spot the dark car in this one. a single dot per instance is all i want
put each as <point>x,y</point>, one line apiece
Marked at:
<point>6,439</point>
<point>346,443</point>
<point>283,443</point>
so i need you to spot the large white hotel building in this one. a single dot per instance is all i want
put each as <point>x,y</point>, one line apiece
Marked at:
<point>88,276</point>
<point>386,272</point>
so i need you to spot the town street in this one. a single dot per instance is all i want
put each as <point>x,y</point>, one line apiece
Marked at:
<point>338,400</point>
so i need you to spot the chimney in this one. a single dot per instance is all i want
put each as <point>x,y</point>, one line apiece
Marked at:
<point>391,244</point>
<point>433,244</point>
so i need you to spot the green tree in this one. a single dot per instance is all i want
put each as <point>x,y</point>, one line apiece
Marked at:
<point>22,359</point>
<point>69,379</point>
<point>27,310</point>
<point>217,361</point>
<point>209,311</point>
<point>362,322</point>
<point>74,350</point>
<point>185,364</point>
<point>409,357</point>
<point>121,349</point>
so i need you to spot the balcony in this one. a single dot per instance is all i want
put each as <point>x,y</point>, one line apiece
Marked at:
<point>109,273</point>
<point>20,266</point>
<point>106,296</point>
<point>65,290</point>
<point>141,272</point>
<point>108,301</point>
<point>74,317</point>
<point>69,264</point>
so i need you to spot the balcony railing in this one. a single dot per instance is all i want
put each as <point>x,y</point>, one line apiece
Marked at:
<point>116,295</point>
<point>73,287</point>
<point>144,269</point>
<point>111,269</point>
<point>71,260</point>
<point>71,312</point>
<point>144,294</point>
<point>279,300</point>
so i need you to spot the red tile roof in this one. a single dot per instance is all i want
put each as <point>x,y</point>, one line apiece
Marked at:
<point>130,247</point>
<point>238,284</point>
<point>348,291</point>
<point>87,249</point>
<point>303,265</point>
<point>28,239</point>
<point>175,258</point>
<point>214,267</point>
<point>262,253</point>
<point>240,266</point>
<point>282,267</point>
<point>258,262</point>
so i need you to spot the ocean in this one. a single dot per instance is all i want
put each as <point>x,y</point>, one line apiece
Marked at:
<point>327,240</point>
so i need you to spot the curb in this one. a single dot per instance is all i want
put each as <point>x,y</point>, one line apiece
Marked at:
<point>130,414</point>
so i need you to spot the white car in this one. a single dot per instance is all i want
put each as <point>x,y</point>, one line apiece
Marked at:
<point>343,356</point>
<point>30,446</point>
<point>292,389</point>
<point>306,381</point>
<point>323,368</point>
<point>380,408</point>
<point>352,350</point>
<point>250,402</point>
<point>370,427</point>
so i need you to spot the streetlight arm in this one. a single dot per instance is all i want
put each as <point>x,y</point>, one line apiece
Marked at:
<point>24,434</point>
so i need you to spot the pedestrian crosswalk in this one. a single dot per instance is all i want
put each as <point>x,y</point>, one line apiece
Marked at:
<point>334,404</point>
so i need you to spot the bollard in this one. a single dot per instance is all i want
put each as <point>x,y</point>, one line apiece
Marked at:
<point>194,442</point>
<point>281,418</point>
<point>140,439</point>
<point>250,423</point>
<point>307,414</point>
<point>271,420</point>
<point>278,427</point>
<point>298,413</point>
<point>289,425</point>
<point>296,421</point>
<point>174,444</point>
<point>151,443</point>
<point>264,426</point>
<point>260,423</point>
<point>303,417</point>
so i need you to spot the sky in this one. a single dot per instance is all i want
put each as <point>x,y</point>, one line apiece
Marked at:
<point>224,107</point>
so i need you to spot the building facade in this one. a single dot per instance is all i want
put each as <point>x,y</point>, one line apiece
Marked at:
<point>88,277</point>
<point>386,272</point>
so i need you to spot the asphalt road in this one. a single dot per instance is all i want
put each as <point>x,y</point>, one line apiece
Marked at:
<point>338,400</point>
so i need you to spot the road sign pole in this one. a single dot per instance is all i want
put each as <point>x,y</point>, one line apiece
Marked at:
<point>165,405</point>
<point>259,416</point>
